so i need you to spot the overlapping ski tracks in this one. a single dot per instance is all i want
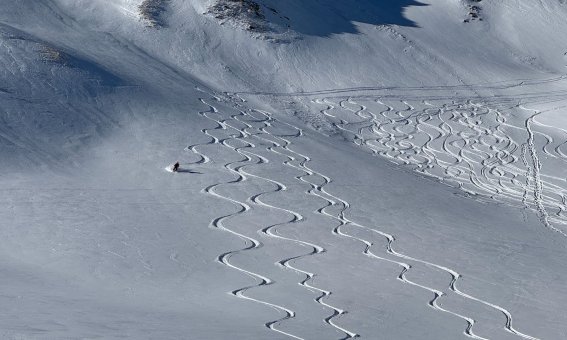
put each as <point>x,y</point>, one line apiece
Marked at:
<point>336,208</point>
<point>466,144</point>
<point>242,135</point>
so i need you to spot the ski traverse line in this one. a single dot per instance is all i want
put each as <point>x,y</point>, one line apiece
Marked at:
<point>253,243</point>
<point>528,178</point>
<point>390,240</point>
<point>271,231</point>
<point>534,171</point>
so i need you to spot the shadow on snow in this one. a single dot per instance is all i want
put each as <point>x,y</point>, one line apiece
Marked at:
<point>324,18</point>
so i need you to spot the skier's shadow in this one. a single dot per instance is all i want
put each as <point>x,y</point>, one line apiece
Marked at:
<point>189,171</point>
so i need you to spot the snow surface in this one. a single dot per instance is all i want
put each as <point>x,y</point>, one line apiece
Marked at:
<point>311,201</point>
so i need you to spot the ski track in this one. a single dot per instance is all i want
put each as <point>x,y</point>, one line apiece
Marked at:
<point>535,171</point>
<point>467,145</point>
<point>316,249</point>
<point>243,207</point>
<point>271,230</point>
<point>333,201</point>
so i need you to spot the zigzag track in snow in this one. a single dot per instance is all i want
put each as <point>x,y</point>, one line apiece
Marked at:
<point>297,218</point>
<point>318,191</point>
<point>455,276</point>
<point>334,200</point>
<point>203,159</point>
<point>271,230</point>
<point>253,243</point>
<point>343,222</point>
<point>337,312</point>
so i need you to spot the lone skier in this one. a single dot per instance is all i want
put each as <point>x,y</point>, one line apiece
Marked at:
<point>175,167</point>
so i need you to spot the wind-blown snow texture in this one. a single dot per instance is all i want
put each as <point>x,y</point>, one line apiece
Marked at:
<point>374,169</point>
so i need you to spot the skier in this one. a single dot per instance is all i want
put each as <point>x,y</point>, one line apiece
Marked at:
<point>175,167</point>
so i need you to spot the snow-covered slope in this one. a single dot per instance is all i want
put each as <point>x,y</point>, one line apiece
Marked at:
<point>314,140</point>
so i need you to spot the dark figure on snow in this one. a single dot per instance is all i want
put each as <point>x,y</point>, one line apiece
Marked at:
<point>176,167</point>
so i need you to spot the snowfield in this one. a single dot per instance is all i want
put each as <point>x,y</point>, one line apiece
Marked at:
<point>373,169</point>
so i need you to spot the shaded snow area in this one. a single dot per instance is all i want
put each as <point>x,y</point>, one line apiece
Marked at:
<point>373,169</point>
